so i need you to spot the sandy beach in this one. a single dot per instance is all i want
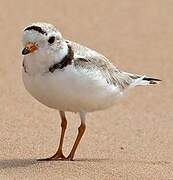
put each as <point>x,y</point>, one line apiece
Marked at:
<point>132,140</point>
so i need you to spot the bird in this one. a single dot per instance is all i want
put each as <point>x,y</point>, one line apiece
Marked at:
<point>69,77</point>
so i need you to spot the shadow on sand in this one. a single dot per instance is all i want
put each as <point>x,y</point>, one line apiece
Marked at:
<point>15,163</point>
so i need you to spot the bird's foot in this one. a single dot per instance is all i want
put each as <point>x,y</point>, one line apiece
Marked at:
<point>57,157</point>
<point>69,158</point>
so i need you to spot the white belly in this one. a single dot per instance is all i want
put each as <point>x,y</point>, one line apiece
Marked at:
<point>72,90</point>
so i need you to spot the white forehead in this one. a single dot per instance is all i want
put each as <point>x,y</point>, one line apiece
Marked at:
<point>32,35</point>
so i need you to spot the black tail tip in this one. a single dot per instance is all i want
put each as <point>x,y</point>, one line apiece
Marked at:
<point>152,80</point>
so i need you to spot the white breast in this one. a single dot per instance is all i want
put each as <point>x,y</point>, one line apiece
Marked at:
<point>72,89</point>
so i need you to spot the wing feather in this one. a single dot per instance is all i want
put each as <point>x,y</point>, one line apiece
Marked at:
<point>90,59</point>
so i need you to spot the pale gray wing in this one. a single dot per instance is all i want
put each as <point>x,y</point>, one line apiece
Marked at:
<point>90,59</point>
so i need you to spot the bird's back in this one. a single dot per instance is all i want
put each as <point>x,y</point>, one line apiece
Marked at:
<point>91,60</point>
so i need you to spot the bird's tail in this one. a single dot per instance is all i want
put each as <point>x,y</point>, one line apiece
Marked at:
<point>151,81</point>
<point>139,80</point>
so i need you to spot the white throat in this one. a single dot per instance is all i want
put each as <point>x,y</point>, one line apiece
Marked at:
<point>40,61</point>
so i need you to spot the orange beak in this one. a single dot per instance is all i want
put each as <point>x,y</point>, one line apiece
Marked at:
<point>29,48</point>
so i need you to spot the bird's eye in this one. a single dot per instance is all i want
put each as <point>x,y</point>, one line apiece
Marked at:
<point>51,39</point>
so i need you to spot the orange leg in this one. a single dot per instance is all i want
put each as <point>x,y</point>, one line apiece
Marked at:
<point>81,131</point>
<point>59,155</point>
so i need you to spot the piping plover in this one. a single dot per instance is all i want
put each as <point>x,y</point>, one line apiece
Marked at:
<point>67,76</point>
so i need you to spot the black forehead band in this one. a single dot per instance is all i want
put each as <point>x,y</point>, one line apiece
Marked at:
<point>36,28</point>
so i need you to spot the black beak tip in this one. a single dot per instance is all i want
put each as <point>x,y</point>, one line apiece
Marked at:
<point>25,51</point>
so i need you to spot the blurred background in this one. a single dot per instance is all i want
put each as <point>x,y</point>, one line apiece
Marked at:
<point>131,140</point>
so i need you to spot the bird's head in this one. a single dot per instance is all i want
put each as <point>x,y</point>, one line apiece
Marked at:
<point>42,38</point>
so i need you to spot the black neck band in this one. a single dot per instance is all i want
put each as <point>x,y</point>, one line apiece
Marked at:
<point>67,60</point>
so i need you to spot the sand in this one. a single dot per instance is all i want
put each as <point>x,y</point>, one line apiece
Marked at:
<point>133,139</point>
